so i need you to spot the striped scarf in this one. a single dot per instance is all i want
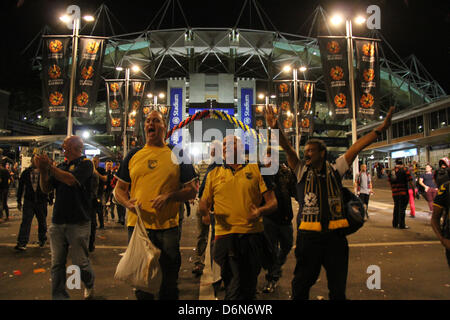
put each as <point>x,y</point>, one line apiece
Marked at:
<point>314,204</point>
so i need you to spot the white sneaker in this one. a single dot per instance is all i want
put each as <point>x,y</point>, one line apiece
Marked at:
<point>88,293</point>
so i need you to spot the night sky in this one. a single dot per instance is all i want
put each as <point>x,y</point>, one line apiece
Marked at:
<point>409,26</point>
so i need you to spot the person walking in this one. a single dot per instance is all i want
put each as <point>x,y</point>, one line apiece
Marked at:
<point>99,201</point>
<point>34,204</point>
<point>203,229</point>
<point>236,190</point>
<point>441,208</point>
<point>364,187</point>
<point>426,180</point>
<point>71,220</point>
<point>400,180</point>
<point>278,225</point>
<point>321,239</point>
<point>149,178</point>
<point>5,180</point>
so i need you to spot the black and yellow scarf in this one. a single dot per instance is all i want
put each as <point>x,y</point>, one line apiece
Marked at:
<point>313,203</point>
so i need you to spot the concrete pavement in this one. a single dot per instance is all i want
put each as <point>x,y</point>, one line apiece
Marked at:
<point>411,262</point>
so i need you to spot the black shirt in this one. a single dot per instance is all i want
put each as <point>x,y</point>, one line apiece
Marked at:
<point>283,184</point>
<point>4,178</point>
<point>72,203</point>
<point>25,184</point>
<point>101,183</point>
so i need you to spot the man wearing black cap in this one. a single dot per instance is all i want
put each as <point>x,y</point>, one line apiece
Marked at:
<point>400,179</point>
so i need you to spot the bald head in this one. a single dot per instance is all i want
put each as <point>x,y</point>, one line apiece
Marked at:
<point>73,147</point>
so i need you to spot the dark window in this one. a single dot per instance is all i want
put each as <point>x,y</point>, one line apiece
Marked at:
<point>448,115</point>
<point>434,121</point>
<point>442,119</point>
<point>401,131</point>
<point>395,130</point>
<point>413,125</point>
<point>420,124</point>
<point>407,127</point>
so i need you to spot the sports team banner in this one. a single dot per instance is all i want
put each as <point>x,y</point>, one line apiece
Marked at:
<point>367,87</point>
<point>115,106</point>
<point>90,62</point>
<point>176,113</point>
<point>306,107</point>
<point>333,52</point>
<point>285,98</point>
<point>136,96</point>
<point>55,76</point>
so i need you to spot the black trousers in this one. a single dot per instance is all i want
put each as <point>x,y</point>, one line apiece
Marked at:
<point>4,202</point>
<point>29,210</point>
<point>400,204</point>
<point>313,251</point>
<point>239,257</point>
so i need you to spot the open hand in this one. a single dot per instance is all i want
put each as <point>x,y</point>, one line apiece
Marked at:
<point>387,121</point>
<point>160,201</point>
<point>271,118</point>
<point>254,213</point>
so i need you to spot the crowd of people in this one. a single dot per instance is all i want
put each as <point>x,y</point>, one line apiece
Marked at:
<point>246,215</point>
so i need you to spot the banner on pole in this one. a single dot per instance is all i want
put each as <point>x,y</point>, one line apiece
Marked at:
<point>55,76</point>
<point>285,98</point>
<point>136,95</point>
<point>306,107</point>
<point>115,106</point>
<point>367,85</point>
<point>90,62</point>
<point>333,52</point>
<point>176,113</point>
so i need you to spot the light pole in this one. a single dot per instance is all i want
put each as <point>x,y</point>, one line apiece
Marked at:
<point>73,22</point>
<point>295,78</point>
<point>336,20</point>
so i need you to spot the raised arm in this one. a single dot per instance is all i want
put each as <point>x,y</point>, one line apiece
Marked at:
<point>272,122</point>
<point>366,140</point>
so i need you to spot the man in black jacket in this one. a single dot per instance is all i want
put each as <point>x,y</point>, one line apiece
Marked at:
<point>35,203</point>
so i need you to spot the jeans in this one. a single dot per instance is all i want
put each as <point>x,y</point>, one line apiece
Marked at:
<point>77,237</point>
<point>430,195</point>
<point>314,251</point>
<point>400,204</point>
<point>170,261</point>
<point>281,238</point>
<point>121,211</point>
<point>239,257</point>
<point>30,209</point>
<point>202,241</point>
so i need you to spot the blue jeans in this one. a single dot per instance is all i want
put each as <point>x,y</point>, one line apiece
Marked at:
<point>170,261</point>
<point>281,238</point>
<point>77,237</point>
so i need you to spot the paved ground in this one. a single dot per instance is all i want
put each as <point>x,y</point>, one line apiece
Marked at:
<point>412,263</point>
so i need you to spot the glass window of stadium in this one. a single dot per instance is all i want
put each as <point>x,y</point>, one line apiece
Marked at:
<point>413,125</point>
<point>420,124</point>
<point>442,118</point>
<point>434,120</point>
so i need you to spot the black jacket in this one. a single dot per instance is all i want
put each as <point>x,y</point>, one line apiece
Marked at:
<point>30,194</point>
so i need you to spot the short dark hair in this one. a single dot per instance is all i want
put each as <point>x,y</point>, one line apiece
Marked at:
<point>320,144</point>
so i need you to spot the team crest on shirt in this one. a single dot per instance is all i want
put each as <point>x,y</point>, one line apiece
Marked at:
<point>249,175</point>
<point>72,167</point>
<point>152,164</point>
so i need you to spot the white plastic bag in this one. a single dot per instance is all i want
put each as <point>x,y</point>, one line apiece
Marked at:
<point>139,266</point>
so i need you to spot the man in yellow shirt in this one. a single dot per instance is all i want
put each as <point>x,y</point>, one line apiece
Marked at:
<point>236,190</point>
<point>151,178</point>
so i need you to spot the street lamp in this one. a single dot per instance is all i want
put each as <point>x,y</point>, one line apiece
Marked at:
<point>336,20</point>
<point>73,22</point>
<point>134,68</point>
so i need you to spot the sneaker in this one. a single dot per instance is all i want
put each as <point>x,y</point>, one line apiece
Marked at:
<point>88,293</point>
<point>20,248</point>
<point>270,286</point>
<point>41,244</point>
<point>198,270</point>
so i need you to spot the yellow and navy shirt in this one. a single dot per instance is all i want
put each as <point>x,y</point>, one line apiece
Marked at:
<point>153,171</point>
<point>232,193</point>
